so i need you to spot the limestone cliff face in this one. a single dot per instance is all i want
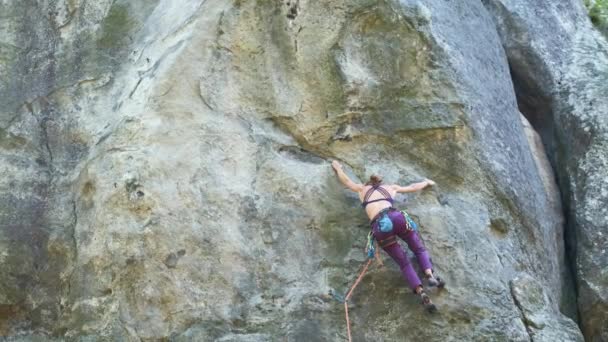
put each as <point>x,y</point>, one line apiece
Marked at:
<point>561,79</point>
<point>166,167</point>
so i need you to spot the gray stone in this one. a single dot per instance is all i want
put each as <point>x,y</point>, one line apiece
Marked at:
<point>168,170</point>
<point>541,322</point>
<point>560,68</point>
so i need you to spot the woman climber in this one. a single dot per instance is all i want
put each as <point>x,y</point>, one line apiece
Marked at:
<point>387,223</point>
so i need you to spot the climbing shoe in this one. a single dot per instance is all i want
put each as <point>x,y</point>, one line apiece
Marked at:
<point>435,282</point>
<point>426,302</point>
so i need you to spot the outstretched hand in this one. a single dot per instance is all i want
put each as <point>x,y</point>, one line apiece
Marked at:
<point>429,182</point>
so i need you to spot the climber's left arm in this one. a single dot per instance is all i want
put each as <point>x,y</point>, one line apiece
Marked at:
<point>414,187</point>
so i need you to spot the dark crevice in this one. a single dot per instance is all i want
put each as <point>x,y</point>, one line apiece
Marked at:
<point>537,107</point>
<point>300,154</point>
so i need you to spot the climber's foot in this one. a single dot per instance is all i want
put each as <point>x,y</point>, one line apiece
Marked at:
<point>426,302</point>
<point>435,282</point>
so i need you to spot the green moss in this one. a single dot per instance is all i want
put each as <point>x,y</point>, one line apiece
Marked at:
<point>598,12</point>
<point>8,53</point>
<point>116,27</point>
<point>10,141</point>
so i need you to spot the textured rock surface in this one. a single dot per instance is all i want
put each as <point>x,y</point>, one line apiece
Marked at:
<point>560,66</point>
<point>542,325</point>
<point>167,172</point>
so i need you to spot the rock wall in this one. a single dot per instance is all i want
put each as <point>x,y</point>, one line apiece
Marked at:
<point>560,66</point>
<point>168,178</point>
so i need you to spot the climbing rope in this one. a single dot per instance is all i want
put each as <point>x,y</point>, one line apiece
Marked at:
<point>352,288</point>
<point>378,257</point>
<point>350,292</point>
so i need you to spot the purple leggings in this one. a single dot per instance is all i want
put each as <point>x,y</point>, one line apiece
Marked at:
<point>397,253</point>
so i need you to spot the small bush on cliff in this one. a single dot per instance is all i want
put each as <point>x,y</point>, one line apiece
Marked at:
<point>598,12</point>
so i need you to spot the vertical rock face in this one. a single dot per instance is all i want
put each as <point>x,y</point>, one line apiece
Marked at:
<point>167,171</point>
<point>54,55</point>
<point>560,68</point>
<point>531,299</point>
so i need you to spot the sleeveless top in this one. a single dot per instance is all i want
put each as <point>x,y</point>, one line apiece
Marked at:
<point>368,194</point>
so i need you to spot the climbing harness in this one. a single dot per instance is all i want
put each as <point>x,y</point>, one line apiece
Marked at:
<point>388,241</point>
<point>410,224</point>
<point>371,249</point>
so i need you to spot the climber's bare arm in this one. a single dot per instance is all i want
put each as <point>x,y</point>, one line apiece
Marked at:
<point>414,186</point>
<point>344,178</point>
